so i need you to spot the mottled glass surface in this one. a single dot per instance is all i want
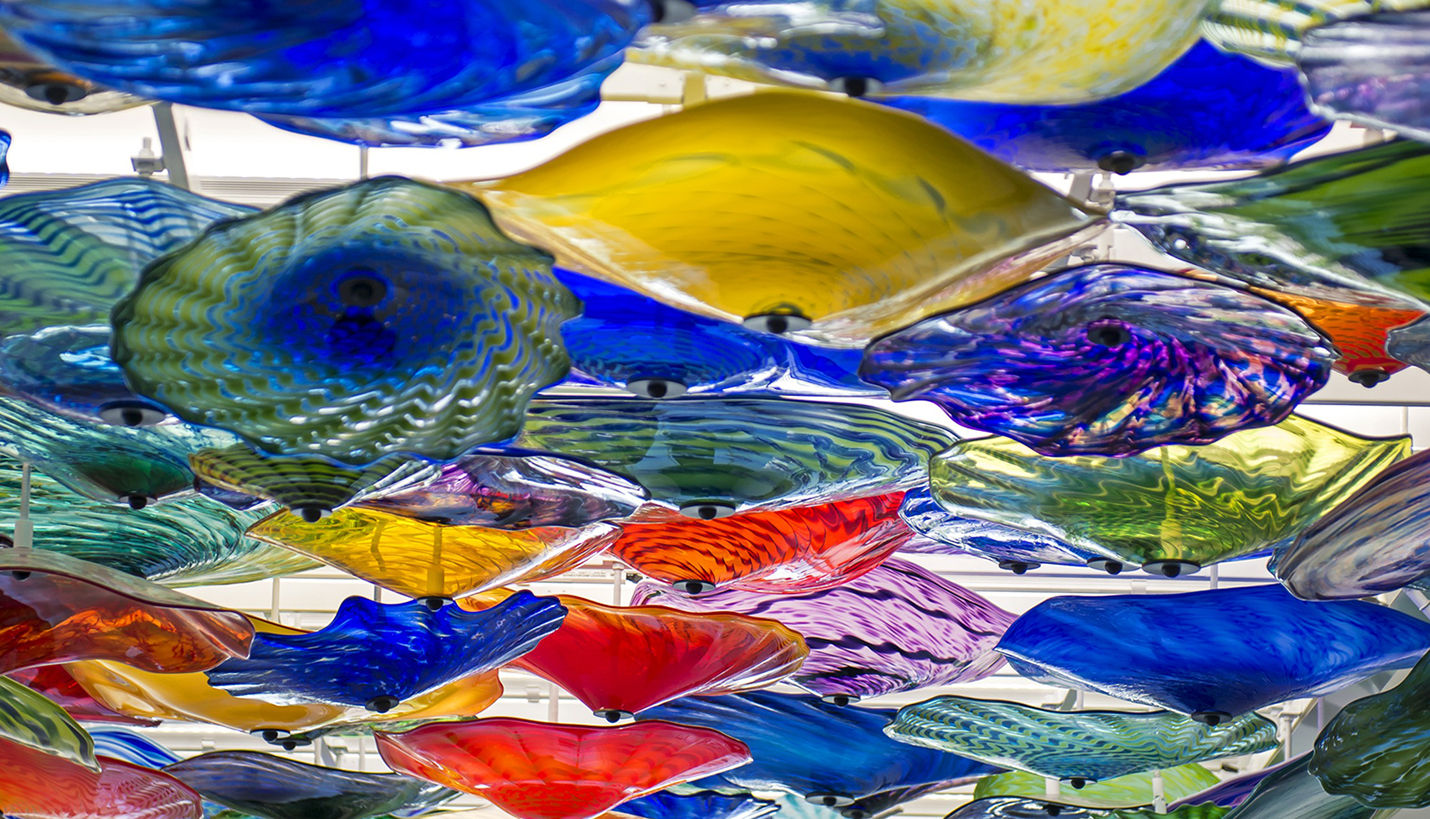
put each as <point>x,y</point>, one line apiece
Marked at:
<point>1372,69</point>
<point>1131,791</point>
<point>1377,749</point>
<point>68,370</point>
<point>1293,791</point>
<point>29,718</point>
<point>39,786</point>
<point>310,485</point>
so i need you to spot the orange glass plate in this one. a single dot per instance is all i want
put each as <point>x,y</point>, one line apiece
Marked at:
<point>1358,330</point>
<point>35,785</point>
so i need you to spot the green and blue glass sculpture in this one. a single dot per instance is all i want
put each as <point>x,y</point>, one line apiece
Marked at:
<point>272,787</point>
<point>69,255</point>
<point>713,456</point>
<point>429,71</point>
<point>1131,791</point>
<point>376,655</point>
<point>626,339</point>
<point>829,754</point>
<point>1013,807</point>
<point>1211,654</point>
<point>1232,791</point>
<point>698,805</point>
<point>1170,510</point>
<point>1375,749</point>
<point>68,370</point>
<point>1207,111</point>
<point>29,718</point>
<point>1374,542</point>
<point>1371,69</point>
<point>1410,343</point>
<point>131,746</point>
<point>388,317</point>
<point>1345,227</point>
<point>1078,746</point>
<point>1108,360</point>
<point>1013,549</point>
<point>1292,790</point>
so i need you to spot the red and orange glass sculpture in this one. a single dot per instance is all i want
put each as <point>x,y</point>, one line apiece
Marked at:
<point>619,660</point>
<point>57,684</point>
<point>535,770</point>
<point>55,609</point>
<point>807,548</point>
<point>1359,331</point>
<point>36,785</point>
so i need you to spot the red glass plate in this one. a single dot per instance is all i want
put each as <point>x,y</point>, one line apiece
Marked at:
<point>36,785</point>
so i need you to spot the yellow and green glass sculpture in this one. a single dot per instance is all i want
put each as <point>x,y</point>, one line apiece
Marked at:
<point>1172,509</point>
<point>1128,791</point>
<point>780,210</point>
<point>388,317</point>
<point>29,718</point>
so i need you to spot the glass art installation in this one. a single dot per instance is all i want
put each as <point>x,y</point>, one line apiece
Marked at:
<point>829,754</point>
<point>1293,791</point>
<point>628,340</point>
<point>698,805</point>
<point>310,485</point>
<point>28,82</point>
<point>452,326</point>
<point>1371,70</point>
<point>1231,650</point>
<point>1170,510</point>
<point>1131,791</point>
<point>271,787</point>
<point>1188,362</point>
<point>942,532</point>
<point>67,370</point>
<point>1373,542</point>
<point>862,218</point>
<point>1207,111</point>
<point>1410,342</point>
<point>1375,748</point>
<point>56,609</point>
<point>535,770</point>
<point>465,73</point>
<point>1362,332</point>
<point>1344,226</point>
<point>35,785</point>
<point>1078,746</point>
<point>132,747</point>
<point>375,656</point>
<point>1058,53</point>
<point>785,551</point>
<point>69,255</point>
<point>897,628</point>
<point>1232,791</point>
<point>710,457</point>
<point>1011,807</point>
<point>1274,31</point>
<point>59,686</point>
<point>28,718</point>
<point>421,559</point>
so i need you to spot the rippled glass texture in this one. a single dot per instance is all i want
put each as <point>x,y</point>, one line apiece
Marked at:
<point>1374,542</point>
<point>1131,791</point>
<point>943,532</point>
<point>1219,652</point>
<point>804,746</point>
<point>375,655</point>
<point>535,770</point>
<point>897,628</point>
<point>28,718</point>
<point>786,551</point>
<point>271,787</point>
<point>1377,749</point>
<point>69,255</point>
<point>68,370</point>
<point>807,208</point>
<point>421,559</point>
<point>1063,52</point>
<point>1233,790</point>
<point>1346,226</point>
<point>1012,807</point>
<point>1207,111</point>
<point>384,317</point>
<point>131,746</point>
<point>35,785</point>
<point>699,805</point>
<point>750,454</point>
<point>1078,745</point>
<point>1372,69</point>
<point>55,609</point>
<point>1293,791</point>
<point>1193,362</point>
<point>1172,506</point>
<point>310,485</point>
<point>1273,31</point>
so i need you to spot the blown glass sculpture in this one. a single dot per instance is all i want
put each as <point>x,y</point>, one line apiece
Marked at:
<point>885,801</point>
<point>1373,542</point>
<point>35,785</point>
<point>28,82</point>
<point>943,532</point>
<point>1128,791</point>
<point>514,494</point>
<point>898,628</point>
<point>618,660</point>
<point>375,656</point>
<point>1078,746</point>
<point>362,340</point>
<point>832,221</point>
<point>1010,807</point>
<point>1410,342</point>
<point>829,754</point>
<point>68,370</point>
<point>1362,332</point>
<point>535,770</point>
<point>272,787</point>
<point>1207,111</point>
<point>1345,226</point>
<point>421,559</point>
<point>1211,654</point>
<point>56,609</point>
<point>1370,69</point>
<point>1273,31</point>
<point>1293,791</point>
<point>1173,509</point>
<point>1061,53</point>
<point>629,340</point>
<point>698,805</point>
<point>781,552</point>
<point>132,747</point>
<point>59,686</point>
<point>1375,748</point>
<point>712,456</point>
<point>311,485</point>
<point>1190,362</point>
<point>28,718</point>
<point>1232,791</point>
<point>69,255</point>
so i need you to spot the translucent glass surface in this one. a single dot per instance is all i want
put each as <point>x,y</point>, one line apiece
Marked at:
<point>1375,749</point>
<point>68,370</point>
<point>943,532</point>
<point>28,82</point>
<point>28,718</point>
<point>700,805</point>
<point>131,746</point>
<point>61,688</point>
<point>1362,332</point>
<point>39,786</point>
<point>310,485</point>
<point>1293,791</point>
<point>1012,807</point>
<point>1131,791</point>
<point>1371,69</point>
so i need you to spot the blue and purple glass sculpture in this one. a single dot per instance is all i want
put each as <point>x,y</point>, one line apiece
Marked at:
<point>698,805</point>
<point>897,628</point>
<point>1013,549</point>
<point>374,655</point>
<point>68,370</point>
<point>4,164</point>
<point>1211,654</point>
<point>629,340</point>
<point>1207,111</point>
<point>829,754</point>
<point>375,71</point>
<point>1108,360</point>
<point>1373,69</point>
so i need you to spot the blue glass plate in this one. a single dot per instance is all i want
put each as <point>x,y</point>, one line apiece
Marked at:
<point>1013,549</point>
<point>699,805</point>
